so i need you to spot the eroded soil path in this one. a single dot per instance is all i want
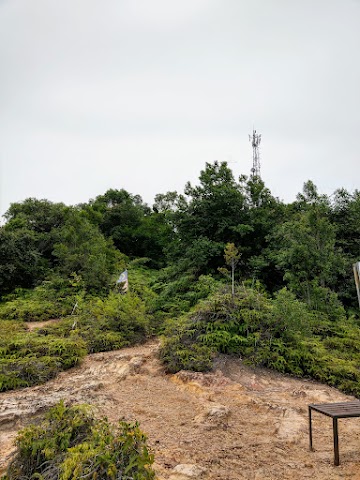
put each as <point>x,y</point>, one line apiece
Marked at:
<point>232,424</point>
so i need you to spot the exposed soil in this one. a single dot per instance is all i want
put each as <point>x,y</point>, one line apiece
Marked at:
<point>34,325</point>
<point>235,423</point>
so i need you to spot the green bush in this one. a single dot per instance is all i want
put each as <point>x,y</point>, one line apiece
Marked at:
<point>70,444</point>
<point>30,310</point>
<point>280,333</point>
<point>178,293</point>
<point>29,358</point>
<point>54,298</point>
<point>103,341</point>
<point>122,313</point>
<point>103,324</point>
<point>179,351</point>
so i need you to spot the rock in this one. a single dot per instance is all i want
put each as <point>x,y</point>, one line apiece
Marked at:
<point>299,393</point>
<point>214,416</point>
<point>289,425</point>
<point>186,471</point>
<point>130,368</point>
<point>8,418</point>
<point>136,363</point>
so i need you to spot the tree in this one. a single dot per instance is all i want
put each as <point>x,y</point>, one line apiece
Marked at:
<point>40,216</point>
<point>345,215</point>
<point>306,247</point>
<point>21,264</point>
<point>135,229</point>
<point>264,213</point>
<point>26,242</point>
<point>215,206</point>
<point>232,257</point>
<point>210,216</point>
<point>82,249</point>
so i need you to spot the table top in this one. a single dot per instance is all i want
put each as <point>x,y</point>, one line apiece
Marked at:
<point>338,410</point>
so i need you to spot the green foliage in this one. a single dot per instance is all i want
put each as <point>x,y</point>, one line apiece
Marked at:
<point>21,263</point>
<point>289,318</point>
<point>71,444</point>
<point>141,280</point>
<point>122,313</point>
<point>308,254</point>
<point>41,238</point>
<point>280,333</point>
<point>53,298</point>
<point>135,230</point>
<point>26,242</point>
<point>81,249</point>
<point>29,358</point>
<point>179,293</point>
<point>100,324</point>
<point>207,220</point>
<point>180,351</point>
<point>217,323</point>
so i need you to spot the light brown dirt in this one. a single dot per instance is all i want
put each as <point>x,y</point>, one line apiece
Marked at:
<point>34,325</point>
<point>235,423</point>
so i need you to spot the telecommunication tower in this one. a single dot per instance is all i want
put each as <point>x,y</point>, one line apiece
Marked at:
<point>255,140</point>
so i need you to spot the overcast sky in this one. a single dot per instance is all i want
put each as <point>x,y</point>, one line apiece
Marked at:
<point>139,94</point>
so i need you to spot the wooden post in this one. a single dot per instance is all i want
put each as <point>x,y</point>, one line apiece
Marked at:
<point>310,431</point>
<point>336,442</point>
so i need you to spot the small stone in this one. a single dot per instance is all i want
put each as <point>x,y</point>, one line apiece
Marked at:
<point>214,416</point>
<point>189,470</point>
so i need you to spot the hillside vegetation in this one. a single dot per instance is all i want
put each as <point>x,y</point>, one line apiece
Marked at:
<point>223,267</point>
<point>71,444</point>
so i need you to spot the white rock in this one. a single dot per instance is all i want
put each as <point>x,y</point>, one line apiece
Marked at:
<point>215,415</point>
<point>189,470</point>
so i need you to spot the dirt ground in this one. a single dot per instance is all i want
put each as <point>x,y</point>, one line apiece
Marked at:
<point>34,325</point>
<point>232,424</point>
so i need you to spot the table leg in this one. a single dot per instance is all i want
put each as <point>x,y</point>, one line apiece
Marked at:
<point>310,430</point>
<point>336,442</point>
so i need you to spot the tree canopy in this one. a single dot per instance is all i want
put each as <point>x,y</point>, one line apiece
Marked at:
<point>308,245</point>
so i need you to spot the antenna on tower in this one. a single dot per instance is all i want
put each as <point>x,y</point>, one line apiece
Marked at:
<point>255,140</point>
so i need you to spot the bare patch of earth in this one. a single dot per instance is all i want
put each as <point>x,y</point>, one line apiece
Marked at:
<point>34,325</point>
<point>232,424</point>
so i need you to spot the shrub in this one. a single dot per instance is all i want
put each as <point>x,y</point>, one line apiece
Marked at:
<point>279,333</point>
<point>54,298</point>
<point>28,359</point>
<point>122,313</point>
<point>179,351</point>
<point>70,444</point>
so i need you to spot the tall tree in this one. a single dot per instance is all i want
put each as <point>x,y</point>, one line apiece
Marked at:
<point>345,215</point>
<point>306,246</point>
<point>209,218</point>
<point>135,229</point>
<point>26,242</point>
<point>81,249</point>
<point>264,213</point>
<point>21,263</point>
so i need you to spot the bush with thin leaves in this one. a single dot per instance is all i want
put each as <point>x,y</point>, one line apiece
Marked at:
<point>71,444</point>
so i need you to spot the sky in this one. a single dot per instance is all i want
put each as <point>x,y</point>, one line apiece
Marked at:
<point>140,94</point>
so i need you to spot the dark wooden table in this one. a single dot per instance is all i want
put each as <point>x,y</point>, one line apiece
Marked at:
<point>335,411</point>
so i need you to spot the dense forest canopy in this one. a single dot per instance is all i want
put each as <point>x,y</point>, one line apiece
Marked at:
<point>308,245</point>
